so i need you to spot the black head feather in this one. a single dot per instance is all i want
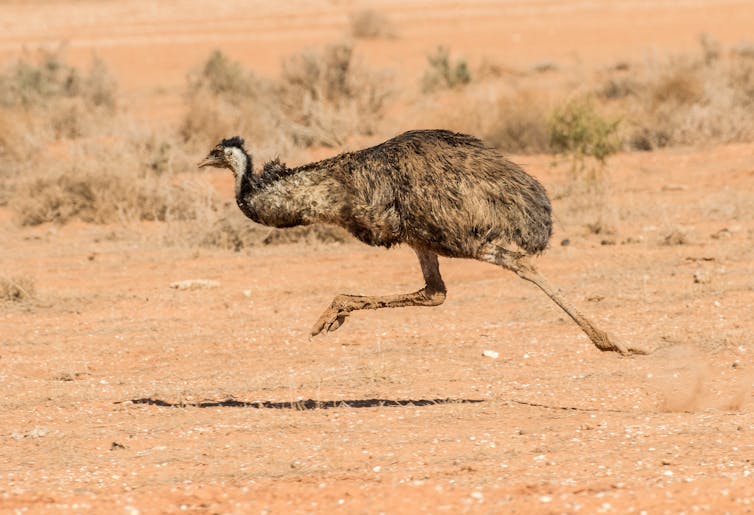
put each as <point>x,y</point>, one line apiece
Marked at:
<point>235,141</point>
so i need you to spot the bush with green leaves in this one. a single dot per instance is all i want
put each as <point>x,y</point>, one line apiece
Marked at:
<point>443,73</point>
<point>580,132</point>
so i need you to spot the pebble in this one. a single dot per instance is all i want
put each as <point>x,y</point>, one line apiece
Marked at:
<point>491,354</point>
<point>194,284</point>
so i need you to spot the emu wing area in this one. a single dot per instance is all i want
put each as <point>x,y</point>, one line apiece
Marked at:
<point>447,193</point>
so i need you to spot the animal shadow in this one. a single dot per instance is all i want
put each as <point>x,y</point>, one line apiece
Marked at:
<point>302,405</point>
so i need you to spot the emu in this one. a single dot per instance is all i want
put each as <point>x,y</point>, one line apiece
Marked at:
<point>441,193</point>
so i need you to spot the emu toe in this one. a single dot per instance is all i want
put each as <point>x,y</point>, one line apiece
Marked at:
<point>330,321</point>
<point>608,343</point>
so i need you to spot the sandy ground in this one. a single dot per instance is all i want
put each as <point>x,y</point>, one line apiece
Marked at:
<point>121,394</point>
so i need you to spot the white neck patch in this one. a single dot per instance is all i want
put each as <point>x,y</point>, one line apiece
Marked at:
<point>237,160</point>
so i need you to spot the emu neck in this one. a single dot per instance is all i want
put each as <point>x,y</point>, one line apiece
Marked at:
<point>243,171</point>
<point>285,197</point>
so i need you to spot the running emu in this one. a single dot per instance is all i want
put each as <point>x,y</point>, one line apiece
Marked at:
<point>440,192</point>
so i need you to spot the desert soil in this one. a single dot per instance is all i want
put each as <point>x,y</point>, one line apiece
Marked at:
<point>121,394</point>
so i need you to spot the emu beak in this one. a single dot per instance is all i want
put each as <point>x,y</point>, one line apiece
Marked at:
<point>208,161</point>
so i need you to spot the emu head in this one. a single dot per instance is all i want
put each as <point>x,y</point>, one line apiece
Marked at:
<point>229,153</point>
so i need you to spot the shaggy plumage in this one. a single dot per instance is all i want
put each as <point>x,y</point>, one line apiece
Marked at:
<point>440,192</point>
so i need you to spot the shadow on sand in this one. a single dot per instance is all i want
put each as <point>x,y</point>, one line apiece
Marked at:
<point>308,404</point>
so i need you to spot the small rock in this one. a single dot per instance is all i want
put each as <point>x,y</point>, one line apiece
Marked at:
<point>565,242</point>
<point>701,277</point>
<point>115,446</point>
<point>491,354</point>
<point>194,284</point>
<point>37,432</point>
<point>607,242</point>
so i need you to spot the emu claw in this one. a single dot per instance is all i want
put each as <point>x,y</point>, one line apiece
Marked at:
<point>330,321</point>
<point>607,343</point>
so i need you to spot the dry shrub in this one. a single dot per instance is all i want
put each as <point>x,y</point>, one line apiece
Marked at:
<point>91,196</point>
<point>320,99</point>
<point>229,229</point>
<point>687,100</point>
<point>16,288</point>
<point>744,49</point>
<point>328,96</point>
<point>370,24</point>
<point>33,84</point>
<point>225,99</point>
<point>222,76</point>
<point>136,184</point>
<point>520,124</point>
<point>15,142</point>
<point>59,100</point>
<point>309,234</point>
<point>513,119</point>
<point>42,98</point>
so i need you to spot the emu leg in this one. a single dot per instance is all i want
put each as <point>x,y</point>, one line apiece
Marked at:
<point>433,294</point>
<point>519,263</point>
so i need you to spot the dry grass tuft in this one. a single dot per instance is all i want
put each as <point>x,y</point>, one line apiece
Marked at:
<point>686,100</point>
<point>92,197</point>
<point>42,98</point>
<point>320,100</point>
<point>57,100</point>
<point>32,83</point>
<point>138,183</point>
<point>520,124</point>
<point>231,230</point>
<point>16,288</point>
<point>371,24</point>
<point>328,96</point>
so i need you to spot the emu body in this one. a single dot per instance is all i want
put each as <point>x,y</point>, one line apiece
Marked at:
<point>440,192</point>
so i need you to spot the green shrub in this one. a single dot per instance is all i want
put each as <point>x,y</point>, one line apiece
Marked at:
<point>581,133</point>
<point>444,74</point>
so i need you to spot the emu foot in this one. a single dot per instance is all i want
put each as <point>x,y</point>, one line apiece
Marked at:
<point>605,343</point>
<point>330,321</point>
